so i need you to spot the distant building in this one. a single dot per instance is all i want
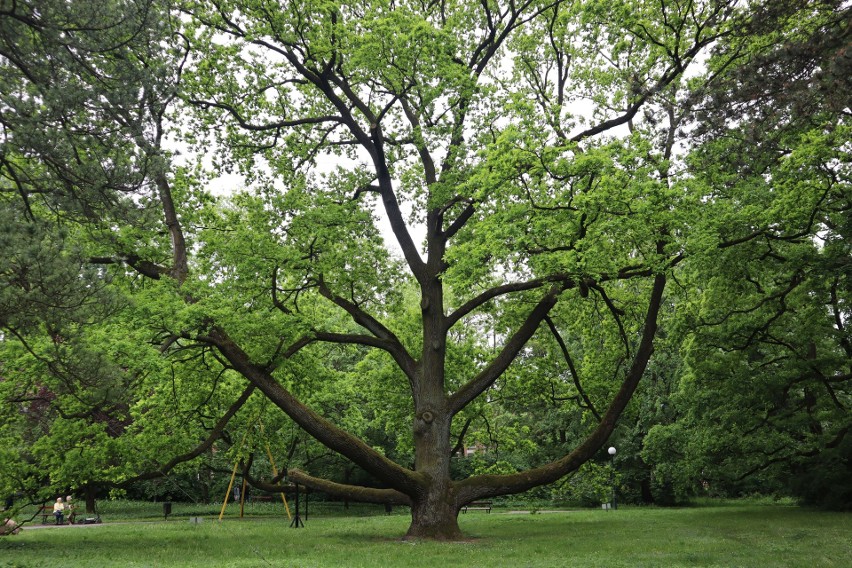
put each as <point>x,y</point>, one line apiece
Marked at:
<point>476,448</point>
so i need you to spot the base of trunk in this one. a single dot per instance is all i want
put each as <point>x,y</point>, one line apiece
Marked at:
<point>449,531</point>
<point>434,523</point>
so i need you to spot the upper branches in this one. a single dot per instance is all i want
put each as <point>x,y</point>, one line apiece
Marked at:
<point>381,337</point>
<point>315,81</point>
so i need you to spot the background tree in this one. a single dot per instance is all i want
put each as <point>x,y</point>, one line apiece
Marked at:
<point>83,174</point>
<point>766,394</point>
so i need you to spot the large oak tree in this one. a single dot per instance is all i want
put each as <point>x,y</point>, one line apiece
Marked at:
<point>497,124</point>
<point>527,157</point>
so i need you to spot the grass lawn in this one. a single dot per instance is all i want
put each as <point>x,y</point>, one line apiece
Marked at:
<point>742,535</point>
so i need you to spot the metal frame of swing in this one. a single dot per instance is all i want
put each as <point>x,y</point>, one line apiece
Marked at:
<point>243,490</point>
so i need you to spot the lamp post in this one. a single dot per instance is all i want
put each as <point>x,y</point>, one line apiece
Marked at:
<point>612,452</point>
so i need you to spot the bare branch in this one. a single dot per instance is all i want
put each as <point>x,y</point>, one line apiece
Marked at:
<point>459,447</point>
<point>616,314</point>
<point>386,339</point>
<point>573,370</point>
<point>675,70</point>
<point>502,290</point>
<point>263,127</point>
<point>214,435</point>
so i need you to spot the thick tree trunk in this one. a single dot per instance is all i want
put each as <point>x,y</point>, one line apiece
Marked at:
<point>91,493</point>
<point>434,510</point>
<point>435,516</point>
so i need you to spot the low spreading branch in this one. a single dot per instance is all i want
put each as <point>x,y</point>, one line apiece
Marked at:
<point>485,486</point>
<point>353,492</point>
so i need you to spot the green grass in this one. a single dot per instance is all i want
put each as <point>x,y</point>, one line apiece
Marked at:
<point>745,535</point>
<point>120,510</point>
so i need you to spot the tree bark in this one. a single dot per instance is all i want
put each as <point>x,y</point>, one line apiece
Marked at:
<point>434,509</point>
<point>91,493</point>
<point>434,515</point>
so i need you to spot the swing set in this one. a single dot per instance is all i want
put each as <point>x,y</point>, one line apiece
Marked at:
<point>243,490</point>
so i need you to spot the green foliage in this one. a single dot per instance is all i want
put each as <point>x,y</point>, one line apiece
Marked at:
<point>823,480</point>
<point>589,486</point>
<point>565,161</point>
<point>764,395</point>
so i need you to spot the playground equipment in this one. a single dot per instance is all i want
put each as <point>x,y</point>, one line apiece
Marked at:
<point>243,489</point>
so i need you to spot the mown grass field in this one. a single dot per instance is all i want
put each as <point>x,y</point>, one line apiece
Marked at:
<point>729,535</point>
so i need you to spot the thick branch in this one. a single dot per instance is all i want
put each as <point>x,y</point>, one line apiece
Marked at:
<point>180,266</point>
<point>516,342</point>
<point>385,338</point>
<point>324,431</point>
<point>143,267</point>
<point>484,486</point>
<point>426,160</point>
<point>460,222</point>
<point>495,292</point>
<point>394,212</point>
<point>353,492</point>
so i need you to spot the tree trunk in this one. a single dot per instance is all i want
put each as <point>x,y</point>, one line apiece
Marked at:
<point>434,509</point>
<point>91,492</point>
<point>435,516</point>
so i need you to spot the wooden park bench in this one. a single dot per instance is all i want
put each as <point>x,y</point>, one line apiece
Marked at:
<point>478,506</point>
<point>46,512</point>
